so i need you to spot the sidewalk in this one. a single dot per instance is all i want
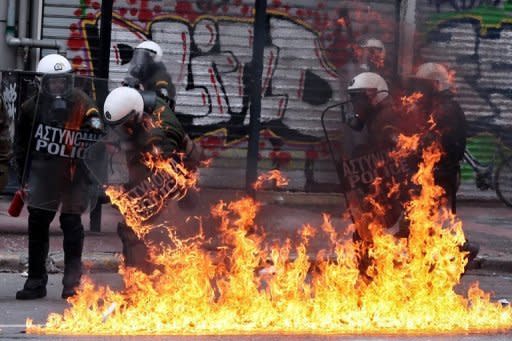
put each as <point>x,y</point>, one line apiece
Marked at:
<point>281,215</point>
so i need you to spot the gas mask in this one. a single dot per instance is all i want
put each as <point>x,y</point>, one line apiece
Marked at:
<point>56,90</point>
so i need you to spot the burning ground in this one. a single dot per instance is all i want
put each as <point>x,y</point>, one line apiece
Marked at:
<point>250,287</point>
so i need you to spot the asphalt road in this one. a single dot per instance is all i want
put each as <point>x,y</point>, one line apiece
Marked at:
<point>13,313</point>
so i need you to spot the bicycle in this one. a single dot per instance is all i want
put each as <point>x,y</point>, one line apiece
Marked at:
<point>489,176</point>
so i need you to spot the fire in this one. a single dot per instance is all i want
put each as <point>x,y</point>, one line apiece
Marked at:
<point>409,101</point>
<point>341,21</point>
<point>274,175</point>
<point>169,179</point>
<point>248,287</point>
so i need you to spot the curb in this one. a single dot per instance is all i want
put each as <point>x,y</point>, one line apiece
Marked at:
<point>109,262</point>
<point>494,264</point>
<point>92,262</point>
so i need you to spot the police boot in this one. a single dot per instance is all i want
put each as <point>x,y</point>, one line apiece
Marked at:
<point>33,288</point>
<point>38,241</point>
<point>73,245</point>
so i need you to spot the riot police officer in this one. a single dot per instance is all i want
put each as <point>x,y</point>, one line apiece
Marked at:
<point>433,81</point>
<point>49,146</point>
<point>374,111</point>
<point>437,86</point>
<point>147,72</point>
<point>133,113</point>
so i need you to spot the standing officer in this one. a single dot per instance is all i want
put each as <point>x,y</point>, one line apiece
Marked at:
<point>147,72</point>
<point>437,86</point>
<point>50,142</point>
<point>433,81</point>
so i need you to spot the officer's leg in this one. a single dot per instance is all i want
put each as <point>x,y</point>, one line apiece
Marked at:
<point>73,230</point>
<point>135,251</point>
<point>38,241</point>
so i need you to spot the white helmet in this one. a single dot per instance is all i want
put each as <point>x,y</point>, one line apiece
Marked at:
<point>373,42</point>
<point>152,47</point>
<point>122,103</point>
<point>436,73</point>
<point>54,63</point>
<point>370,81</point>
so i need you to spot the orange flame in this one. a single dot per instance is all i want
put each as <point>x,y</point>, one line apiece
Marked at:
<point>169,179</point>
<point>274,175</point>
<point>408,101</point>
<point>408,286</point>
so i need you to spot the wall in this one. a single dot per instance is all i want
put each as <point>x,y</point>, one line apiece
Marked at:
<point>473,37</point>
<point>207,44</point>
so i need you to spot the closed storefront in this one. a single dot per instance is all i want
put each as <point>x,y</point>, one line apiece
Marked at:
<point>207,49</point>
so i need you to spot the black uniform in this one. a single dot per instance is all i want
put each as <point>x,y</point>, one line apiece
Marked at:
<point>451,129</point>
<point>46,196</point>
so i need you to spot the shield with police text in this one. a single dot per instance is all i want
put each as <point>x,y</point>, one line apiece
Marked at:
<point>137,177</point>
<point>65,122</point>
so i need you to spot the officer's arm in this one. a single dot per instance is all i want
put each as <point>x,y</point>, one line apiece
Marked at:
<point>165,89</point>
<point>169,137</point>
<point>92,119</point>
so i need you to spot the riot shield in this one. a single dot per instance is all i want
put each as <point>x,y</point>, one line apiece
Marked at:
<point>65,121</point>
<point>139,181</point>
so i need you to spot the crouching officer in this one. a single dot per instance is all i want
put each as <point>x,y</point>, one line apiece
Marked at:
<point>147,125</point>
<point>373,110</point>
<point>53,132</point>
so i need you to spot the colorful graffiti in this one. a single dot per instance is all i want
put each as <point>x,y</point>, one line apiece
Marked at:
<point>207,50</point>
<point>460,5</point>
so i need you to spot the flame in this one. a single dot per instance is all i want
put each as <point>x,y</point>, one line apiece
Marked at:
<point>408,102</point>
<point>247,287</point>
<point>275,175</point>
<point>168,179</point>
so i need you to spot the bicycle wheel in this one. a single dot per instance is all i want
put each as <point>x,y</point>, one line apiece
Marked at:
<point>503,181</point>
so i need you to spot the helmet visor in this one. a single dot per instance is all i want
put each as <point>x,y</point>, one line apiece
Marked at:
<point>140,63</point>
<point>57,85</point>
<point>376,57</point>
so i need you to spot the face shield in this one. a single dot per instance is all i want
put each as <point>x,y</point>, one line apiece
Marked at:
<point>141,63</point>
<point>361,104</point>
<point>375,57</point>
<point>57,85</point>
